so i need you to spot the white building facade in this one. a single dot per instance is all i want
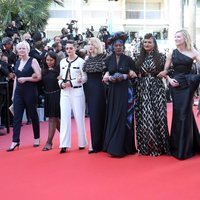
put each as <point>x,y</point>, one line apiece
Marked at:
<point>136,17</point>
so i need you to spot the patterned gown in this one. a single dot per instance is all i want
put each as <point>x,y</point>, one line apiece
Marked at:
<point>150,110</point>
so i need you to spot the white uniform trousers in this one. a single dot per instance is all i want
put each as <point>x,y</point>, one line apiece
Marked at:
<point>72,99</point>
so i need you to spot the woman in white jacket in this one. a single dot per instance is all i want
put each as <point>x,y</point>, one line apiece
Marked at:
<point>72,97</point>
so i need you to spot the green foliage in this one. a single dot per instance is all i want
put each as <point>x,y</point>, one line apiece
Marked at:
<point>34,13</point>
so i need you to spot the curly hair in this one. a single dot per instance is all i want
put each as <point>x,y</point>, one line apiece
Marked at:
<point>97,44</point>
<point>156,55</point>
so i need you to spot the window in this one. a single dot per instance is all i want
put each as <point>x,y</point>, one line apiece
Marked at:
<point>61,13</point>
<point>143,9</point>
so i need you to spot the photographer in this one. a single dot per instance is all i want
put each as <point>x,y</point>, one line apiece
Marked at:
<point>38,52</point>
<point>4,73</point>
<point>27,37</point>
<point>7,50</point>
<point>88,33</point>
<point>11,29</point>
<point>11,58</point>
<point>103,35</point>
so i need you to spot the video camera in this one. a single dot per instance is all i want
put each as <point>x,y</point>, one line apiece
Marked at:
<point>103,28</point>
<point>71,25</point>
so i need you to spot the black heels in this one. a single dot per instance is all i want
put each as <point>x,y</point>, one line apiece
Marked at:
<point>13,148</point>
<point>63,150</point>
<point>91,151</point>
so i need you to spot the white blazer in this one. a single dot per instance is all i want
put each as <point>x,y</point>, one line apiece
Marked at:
<point>74,69</point>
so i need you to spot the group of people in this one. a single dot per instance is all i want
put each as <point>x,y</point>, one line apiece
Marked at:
<point>116,88</point>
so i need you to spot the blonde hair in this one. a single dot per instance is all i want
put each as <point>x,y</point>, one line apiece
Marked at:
<point>97,44</point>
<point>188,41</point>
<point>23,43</point>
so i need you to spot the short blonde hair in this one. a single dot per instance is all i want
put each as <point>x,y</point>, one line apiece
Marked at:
<point>97,44</point>
<point>186,35</point>
<point>23,43</point>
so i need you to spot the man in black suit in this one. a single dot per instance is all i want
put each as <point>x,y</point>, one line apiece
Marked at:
<point>38,52</point>
<point>7,51</point>
<point>4,73</point>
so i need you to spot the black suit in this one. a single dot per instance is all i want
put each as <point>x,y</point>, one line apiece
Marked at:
<point>39,56</point>
<point>3,74</point>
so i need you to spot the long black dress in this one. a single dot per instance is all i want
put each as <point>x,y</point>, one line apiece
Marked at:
<point>185,138</point>
<point>119,130</point>
<point>52,94</point>
<point>96,99</point>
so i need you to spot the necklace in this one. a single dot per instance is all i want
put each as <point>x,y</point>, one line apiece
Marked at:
<point>50,68</point>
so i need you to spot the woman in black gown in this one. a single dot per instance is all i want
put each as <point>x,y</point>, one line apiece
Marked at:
<point>119,130</point>
<point>95,93</point>
<point>185,138</point>
<point>52,96</point>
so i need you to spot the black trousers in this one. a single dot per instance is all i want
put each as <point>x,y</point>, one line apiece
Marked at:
<point>2,102</point>
<point>25,98</point>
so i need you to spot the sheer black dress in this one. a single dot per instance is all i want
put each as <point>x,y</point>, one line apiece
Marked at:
<point>96,99</point>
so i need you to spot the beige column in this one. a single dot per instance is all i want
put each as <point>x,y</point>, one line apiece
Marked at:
<point>192,19</point>
<point>175,19</point>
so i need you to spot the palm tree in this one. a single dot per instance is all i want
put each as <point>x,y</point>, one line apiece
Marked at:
<point>34,14</point>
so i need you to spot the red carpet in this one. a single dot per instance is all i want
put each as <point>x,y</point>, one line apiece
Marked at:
<point>30,174</point>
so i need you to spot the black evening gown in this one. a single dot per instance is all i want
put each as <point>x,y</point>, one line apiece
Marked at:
<point>95,94</point>
<point>96,99</point>
<point>52,94</point>
<point>185,138</point>
<point>119,137</point>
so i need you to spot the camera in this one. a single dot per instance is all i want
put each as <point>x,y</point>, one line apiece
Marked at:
<point>103,28</point>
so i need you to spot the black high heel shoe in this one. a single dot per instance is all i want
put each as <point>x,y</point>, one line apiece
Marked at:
<point>12,149</point>
<point>63,150</point>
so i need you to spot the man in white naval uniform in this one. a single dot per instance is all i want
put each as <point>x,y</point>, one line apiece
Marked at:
<point>71,81</point>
